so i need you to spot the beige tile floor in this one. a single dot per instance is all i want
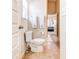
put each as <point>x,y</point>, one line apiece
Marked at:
<point>51,51</point>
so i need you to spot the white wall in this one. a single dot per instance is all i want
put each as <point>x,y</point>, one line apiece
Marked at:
<point>37,8</point>
<point>63,28</point>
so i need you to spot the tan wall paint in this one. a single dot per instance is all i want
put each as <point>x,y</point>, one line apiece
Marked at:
<point>58,16</point>
<point>51,7</point>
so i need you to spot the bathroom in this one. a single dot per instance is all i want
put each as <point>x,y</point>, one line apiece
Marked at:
<point>39,29</point>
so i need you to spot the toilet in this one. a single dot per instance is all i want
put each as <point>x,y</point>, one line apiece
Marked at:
<point>35,44</point>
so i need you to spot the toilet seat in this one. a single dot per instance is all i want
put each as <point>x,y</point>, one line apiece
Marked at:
<point>37,41</point>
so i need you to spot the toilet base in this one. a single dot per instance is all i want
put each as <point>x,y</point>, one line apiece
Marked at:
<point>37,48</point>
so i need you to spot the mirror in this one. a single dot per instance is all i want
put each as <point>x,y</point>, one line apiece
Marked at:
<point>34,11</point>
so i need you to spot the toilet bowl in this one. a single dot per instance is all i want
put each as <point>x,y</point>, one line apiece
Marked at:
<point>35,44</point>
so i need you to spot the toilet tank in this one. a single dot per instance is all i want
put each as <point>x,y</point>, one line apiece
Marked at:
<point>28,36</point>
